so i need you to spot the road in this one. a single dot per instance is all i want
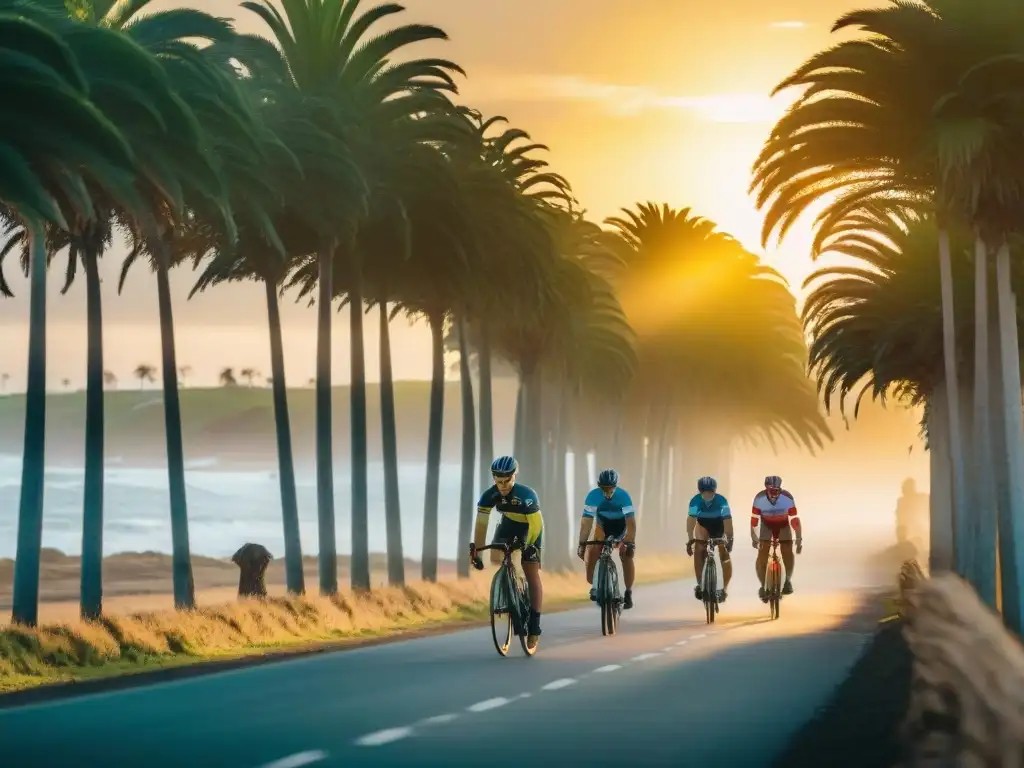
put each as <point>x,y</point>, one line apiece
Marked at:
<point>667,687</point>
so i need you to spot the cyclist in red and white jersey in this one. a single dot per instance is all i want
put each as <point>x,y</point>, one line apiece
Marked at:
<point>774,511</point>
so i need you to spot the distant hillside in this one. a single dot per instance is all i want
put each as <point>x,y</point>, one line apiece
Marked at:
<point>237,423</point>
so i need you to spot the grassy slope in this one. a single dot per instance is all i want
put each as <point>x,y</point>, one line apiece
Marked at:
<point>252,628</point>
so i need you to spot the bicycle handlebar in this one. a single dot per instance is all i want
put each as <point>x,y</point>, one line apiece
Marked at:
<point>502,545</point>
<point>605,542</point>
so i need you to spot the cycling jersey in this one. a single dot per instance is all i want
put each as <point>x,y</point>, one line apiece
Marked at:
<point>716,509</point>
<point>778,515</point>
<point>521,501</point>
<point>618,507</point>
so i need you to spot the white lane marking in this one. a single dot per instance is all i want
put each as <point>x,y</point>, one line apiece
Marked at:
<point>298,760</point>
<point>645,656</point>
<point>437,720</point>
<point>483,706</point>
<point>524,695</point>
<point>698,637</point>
<point>608,668</point>
<point>668,648</point>
<point>386,736</point>
<point>556,684</point>
<point>682,642</point>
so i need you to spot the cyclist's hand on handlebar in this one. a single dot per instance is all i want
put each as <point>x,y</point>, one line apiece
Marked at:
<point>474,558</point>
<point>689,548</point>
<point>478,563</point>
<point>580,551</point>
<point>728,545</point>
<point>799,546</point>
<point>753,542</point>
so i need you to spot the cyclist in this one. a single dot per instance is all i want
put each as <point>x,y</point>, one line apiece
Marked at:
<point>774,511</point>
<point>613,509</point>
<point>520,517</point>
<point>709,518</point>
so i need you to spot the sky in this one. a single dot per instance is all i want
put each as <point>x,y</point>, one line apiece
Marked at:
<point>638,100</point>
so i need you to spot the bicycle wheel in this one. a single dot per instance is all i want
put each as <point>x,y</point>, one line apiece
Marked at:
<point>774,587</point>
<point>609,617</point>
<point>524,613</point>
<point>710,593</point>
<point>501,613</point>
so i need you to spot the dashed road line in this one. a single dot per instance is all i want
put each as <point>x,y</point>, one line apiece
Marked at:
<point>556,684</point>
<point>388,735</point>
<point>487,704</point>
<point>298,760</point>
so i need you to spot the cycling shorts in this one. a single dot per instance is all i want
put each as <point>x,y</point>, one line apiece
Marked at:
<point>714,527</point>
<point>530,531</point>
<point>613,527</point>
<point>780,526</point>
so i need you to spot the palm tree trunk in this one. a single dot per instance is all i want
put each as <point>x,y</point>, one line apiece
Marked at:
<point>294,575</point>
<point>91,599</point>
<point>1011,525</point>
<point>360,572</point>
<point>466,506</point>
<point>949,350</point>
<point>486,409</point>
<point>389,443</point>
<point>940,494</point>
<point>434,435</point>
<point>328,556</point>
<point>519,444</point>
<point>557,527</point>
<point>25,609</point>
<point>981,524</point>
<point>532,461</point>
<point>181,557</point>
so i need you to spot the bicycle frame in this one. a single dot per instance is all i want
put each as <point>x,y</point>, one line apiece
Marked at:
<point>708,577</point>
<point>773,577</point>
<point>510,596</point>
<point>609,599</point>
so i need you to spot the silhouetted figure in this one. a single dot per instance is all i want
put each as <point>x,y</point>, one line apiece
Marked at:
<point>912,516</point>
<point>252,560</point>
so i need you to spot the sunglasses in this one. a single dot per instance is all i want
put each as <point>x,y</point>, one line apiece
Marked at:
<point>501,477</point>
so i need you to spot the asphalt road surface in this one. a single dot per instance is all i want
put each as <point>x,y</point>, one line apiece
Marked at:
<point>667,690</point>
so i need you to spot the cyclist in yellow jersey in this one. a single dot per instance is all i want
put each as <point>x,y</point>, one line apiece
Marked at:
<point>520,517</point>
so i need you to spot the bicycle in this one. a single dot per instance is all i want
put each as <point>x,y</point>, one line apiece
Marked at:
<point>709,579</point>
<point>609,599</point>
<point>773,578</point>
<point>510,597</point>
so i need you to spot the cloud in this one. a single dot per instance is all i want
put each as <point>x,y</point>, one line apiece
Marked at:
<point>626,100</point>
<point>788,24</point>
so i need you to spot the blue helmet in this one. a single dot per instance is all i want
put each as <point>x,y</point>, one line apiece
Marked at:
<point>706,484</point>
<point>608,478</point>
<point>504,465</point>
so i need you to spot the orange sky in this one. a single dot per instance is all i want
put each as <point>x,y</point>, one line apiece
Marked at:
<point>661,100</point>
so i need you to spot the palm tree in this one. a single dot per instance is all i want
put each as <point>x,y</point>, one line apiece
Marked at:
<point>184,371</point>
<point>227,377</point>
<point>4,378</point>
<point>109,379</point>
<point>43,75</point>
<point>328,57</point>
<point>249,374</point>
<point>144,372</point>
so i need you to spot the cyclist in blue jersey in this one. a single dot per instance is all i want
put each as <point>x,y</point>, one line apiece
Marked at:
<point>520,517</point>
<point>709,518</point>
<point>613,510</point>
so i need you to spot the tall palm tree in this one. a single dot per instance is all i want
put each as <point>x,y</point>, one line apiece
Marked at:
<point>144,372</point>
<point>44,162</point>
<point>329,56</point>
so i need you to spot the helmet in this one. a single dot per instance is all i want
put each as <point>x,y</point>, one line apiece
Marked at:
<point>608,478</point>
<point>773,481</point>
<point>706,484</point>
<point>504,465</point>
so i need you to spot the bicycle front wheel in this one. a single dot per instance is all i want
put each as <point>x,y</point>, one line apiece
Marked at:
<point>775,589</point>
<point>609,614</point>
<point>501,613</point>
<point>709,588</point>
<point>524,612</point>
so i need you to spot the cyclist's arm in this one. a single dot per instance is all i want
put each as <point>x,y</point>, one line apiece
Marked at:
<point>629,513</point>
<point>794,520</point>
<point>727,519</point>
<point>630,528</point>
<point>483,517</point>
<point>586,527</point>
<point>691,519</point>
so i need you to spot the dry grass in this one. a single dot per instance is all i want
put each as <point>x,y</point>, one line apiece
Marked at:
<point>120,644</point>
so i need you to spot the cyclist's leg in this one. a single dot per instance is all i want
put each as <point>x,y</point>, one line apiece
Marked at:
<point>534,538</point>
<point>592,554</point>
<point>725,557</point>
<point>763,548</point>
<point>700,537</point>
<point>617,528</point>
<point>786,545</point>
<point>503,534</point>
